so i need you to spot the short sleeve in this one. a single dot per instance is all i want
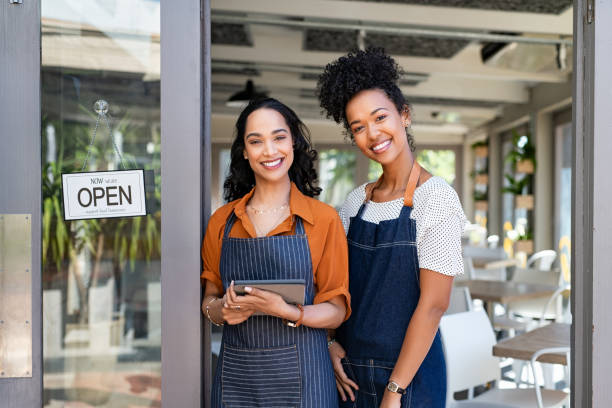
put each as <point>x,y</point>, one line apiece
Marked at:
<point>440,221</point>
<point>331,275</point>
<point>351,205</point>
<point>211,254</point>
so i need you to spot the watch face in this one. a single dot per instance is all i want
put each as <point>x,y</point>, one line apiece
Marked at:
<point>392,387</point>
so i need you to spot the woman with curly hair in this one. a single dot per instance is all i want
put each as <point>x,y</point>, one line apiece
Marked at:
<point>274,354</point>
<point>404,235</point>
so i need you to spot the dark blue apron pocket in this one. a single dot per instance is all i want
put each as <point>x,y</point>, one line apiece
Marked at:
<point>268,377</point>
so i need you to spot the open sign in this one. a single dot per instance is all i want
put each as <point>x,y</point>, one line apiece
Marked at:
<point>104,194</point>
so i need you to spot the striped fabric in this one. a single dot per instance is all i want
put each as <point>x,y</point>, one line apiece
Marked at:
<point>263,362</point>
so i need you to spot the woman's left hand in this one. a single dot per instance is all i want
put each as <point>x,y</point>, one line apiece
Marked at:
<point>261,300</point>
<point>391,400</point>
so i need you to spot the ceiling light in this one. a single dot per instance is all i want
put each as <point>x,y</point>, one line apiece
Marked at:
<point>242,98</point>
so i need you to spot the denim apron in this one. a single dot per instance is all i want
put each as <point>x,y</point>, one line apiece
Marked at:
<point>384,287</point>
<point>263,362</point>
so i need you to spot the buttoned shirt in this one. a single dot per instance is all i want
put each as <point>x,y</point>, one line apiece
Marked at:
<point>324,231</point>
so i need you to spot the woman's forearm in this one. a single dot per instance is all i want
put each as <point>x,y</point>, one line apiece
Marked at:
<point>326,315</point>
<point>417,342</point>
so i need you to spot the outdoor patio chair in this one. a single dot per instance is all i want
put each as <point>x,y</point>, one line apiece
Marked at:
<point>477,404</point>
<point>565,317</point>
<point>484,254</point>
<point>460,300</point>
<point>468,341</point>
<point>542,260</point>
<point>532,309</point>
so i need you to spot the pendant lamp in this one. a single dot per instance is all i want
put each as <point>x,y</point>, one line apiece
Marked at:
<point>241,98</point>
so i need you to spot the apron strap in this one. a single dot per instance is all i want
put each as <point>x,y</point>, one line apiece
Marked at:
<point>228,225</point>
<point>413,180</point>
<point>299,225</point>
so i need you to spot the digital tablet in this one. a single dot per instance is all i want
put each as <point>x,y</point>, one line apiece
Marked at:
<point>292,290</point>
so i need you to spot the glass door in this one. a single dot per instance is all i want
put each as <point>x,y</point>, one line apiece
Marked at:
<point>100,75</point>
<point>20,217</point>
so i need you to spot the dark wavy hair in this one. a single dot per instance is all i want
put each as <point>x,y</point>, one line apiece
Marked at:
<point>355,72</point>
<point>241,178</point>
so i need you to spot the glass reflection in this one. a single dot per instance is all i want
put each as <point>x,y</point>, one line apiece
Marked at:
<point>101,278</point>
<point>336,175</point>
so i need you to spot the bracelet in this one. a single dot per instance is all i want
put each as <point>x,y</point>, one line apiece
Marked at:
<point>298,322</point>
<point>330,342</point>
<point>208,313</point>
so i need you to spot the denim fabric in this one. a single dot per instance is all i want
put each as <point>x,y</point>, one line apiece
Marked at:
<point>384,287</point>
<point>263,362</point>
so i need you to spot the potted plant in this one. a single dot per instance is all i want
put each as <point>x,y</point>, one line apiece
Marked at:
<point>524,243</point>
<point>520,187</point>
<point>480,201</point>
<point>522,155</point>
<point>481,148</point>
<point>481,176</point>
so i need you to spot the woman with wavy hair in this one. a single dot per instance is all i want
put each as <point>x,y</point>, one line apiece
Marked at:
<point>404,235</point>
<point>274,354</point>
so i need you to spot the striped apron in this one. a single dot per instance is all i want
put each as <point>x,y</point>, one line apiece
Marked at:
<point>263,362</point>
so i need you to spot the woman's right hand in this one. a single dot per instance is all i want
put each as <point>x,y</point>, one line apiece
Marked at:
<point>344,384</point>
<point>232,312</point>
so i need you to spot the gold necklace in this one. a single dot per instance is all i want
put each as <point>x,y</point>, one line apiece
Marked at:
<point>275,224</point>
<point>267,211</point>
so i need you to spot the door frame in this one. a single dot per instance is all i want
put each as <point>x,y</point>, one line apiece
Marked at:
<point>186,181</point>
<point>591,196</point>
<point>20,170</point>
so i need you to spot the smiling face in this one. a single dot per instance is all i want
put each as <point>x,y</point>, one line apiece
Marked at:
<point>377,127</point>
<point>268,145</point>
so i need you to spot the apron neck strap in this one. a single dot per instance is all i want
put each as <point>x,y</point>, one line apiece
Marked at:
<point>413,180</point>
<point>299,225</point>
<point>228,225</point>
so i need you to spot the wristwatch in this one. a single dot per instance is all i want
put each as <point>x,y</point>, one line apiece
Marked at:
<point>393,387</point>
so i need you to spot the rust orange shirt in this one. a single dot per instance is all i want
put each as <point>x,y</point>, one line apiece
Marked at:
<point>324,230</point>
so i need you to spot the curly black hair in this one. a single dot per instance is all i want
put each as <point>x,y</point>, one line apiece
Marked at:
<point>241,178</point>
<point>355,72</point>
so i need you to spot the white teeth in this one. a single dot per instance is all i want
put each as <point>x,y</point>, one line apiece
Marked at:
<point>272,163</point>
<point>381,145</point>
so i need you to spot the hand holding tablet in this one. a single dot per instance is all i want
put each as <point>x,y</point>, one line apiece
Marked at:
<point>291,290</point>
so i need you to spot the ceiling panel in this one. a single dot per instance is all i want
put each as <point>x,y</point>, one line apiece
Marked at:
<point>532,6</point>
<point>230,34</point>
<point>343,41</point>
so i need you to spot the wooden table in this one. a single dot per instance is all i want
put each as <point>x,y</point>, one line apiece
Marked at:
<point>523,346</point>
<point>505,292</point>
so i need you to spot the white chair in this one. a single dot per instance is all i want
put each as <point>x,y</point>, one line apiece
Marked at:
<point>483,254</point>
<point>460,300</point>
<point>542,260</point>
<point>532,308</point>
<point>468,340</point>
<point>477,404</point>
<point>563,316</point>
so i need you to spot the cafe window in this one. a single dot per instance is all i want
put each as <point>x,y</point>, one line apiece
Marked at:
<point>101,277</point>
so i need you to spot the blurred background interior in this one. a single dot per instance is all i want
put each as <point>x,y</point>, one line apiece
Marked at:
<point>490,86</point>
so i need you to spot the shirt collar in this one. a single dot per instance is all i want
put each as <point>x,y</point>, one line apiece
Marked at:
<point>298,204</point>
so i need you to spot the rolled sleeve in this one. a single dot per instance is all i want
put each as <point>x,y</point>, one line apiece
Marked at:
<point>331,275</point>
<point>211,254</point>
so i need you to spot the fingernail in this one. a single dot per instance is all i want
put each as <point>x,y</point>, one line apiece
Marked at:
<point>247,289</point>
<point>232,283</point>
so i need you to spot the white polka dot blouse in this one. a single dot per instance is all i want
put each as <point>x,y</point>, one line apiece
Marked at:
<point>439,218</point>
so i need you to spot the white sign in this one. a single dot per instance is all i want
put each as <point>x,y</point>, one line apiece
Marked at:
<point>104,194</point>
